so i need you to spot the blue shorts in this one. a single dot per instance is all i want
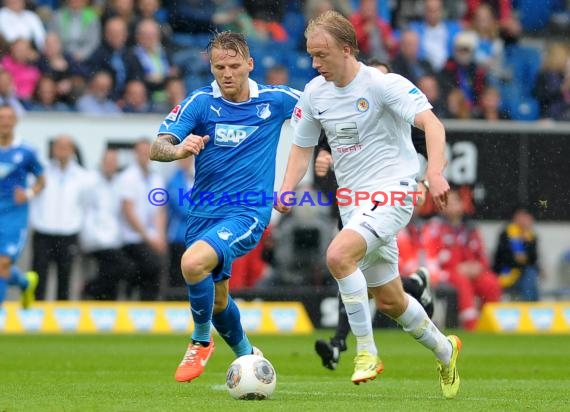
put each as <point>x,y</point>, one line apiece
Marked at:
<point>13,233</point>
<point>231,237</point>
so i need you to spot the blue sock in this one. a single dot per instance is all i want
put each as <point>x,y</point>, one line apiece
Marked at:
<point>3,289</point>
<point>17,278</point>
<point>201,297</point>
<point>228,325</point>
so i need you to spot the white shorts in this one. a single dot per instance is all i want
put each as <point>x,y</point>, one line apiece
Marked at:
<point>379,227</point>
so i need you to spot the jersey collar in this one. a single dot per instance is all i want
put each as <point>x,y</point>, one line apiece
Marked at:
<point>253,89</point>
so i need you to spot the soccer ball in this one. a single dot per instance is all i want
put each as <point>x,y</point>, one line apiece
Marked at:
<point>251,377</point>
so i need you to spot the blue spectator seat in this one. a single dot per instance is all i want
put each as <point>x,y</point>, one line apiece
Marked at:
<point>524,63</point>
<point>534,14</point>
<point>300,68</point>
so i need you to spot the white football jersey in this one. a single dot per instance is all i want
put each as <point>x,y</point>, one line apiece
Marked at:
<point>368,126</point>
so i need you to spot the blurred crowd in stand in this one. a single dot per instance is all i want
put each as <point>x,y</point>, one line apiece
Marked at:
<point>475,59</point>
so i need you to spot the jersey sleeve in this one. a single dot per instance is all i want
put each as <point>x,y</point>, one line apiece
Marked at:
<point>290,99</point>
<point>306,129</point>
<point>35,167</point>
<point>183,118</point>
<point>404,98</point>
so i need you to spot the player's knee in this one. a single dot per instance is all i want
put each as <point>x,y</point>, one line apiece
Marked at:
<point>392,305</point>
<point>194,268</point>
<point>338,260</point>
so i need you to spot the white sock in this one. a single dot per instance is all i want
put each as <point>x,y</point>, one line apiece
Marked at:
<point>354,294</point>
<point>416,322</point>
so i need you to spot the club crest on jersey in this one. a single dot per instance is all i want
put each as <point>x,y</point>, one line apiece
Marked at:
<point>230,135</point>
<point>174,113</point>
<point>263,111</point>
<point>18,157</point>
<point>362,105</point>
<point>224,233</point>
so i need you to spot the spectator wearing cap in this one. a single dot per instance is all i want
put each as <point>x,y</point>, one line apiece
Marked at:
<point>461,71</point>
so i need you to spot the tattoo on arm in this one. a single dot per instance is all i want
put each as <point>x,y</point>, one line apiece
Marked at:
<point>164,148</point>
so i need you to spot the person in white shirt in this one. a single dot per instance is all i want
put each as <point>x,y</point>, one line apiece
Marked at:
<point>367,118</point>
<point>18,23</point>
<point>101,233</point>
<point>142,224</point>
<point>56,216</point>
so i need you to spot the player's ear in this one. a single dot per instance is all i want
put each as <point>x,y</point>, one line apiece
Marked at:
<point>250,64</point>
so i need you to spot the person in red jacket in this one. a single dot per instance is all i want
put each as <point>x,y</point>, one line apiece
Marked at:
<point>374,35</point>
<point>456,254</point>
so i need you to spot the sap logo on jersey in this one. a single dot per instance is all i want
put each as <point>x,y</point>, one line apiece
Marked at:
<point>230,135</point>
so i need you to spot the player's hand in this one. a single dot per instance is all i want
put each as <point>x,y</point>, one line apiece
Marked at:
<point>192,145</point>
<point>284,197</point>
<point>20,196</point>
<point>323,163</point>
<point>438,188</point>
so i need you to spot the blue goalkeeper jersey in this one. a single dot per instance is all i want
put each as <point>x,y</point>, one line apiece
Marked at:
<point>235,172</point>
<point>17,162</point>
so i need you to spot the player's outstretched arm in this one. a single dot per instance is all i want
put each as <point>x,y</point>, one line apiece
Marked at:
<point>297,165</point>
<point>435,141</point>
<point>165,148</point>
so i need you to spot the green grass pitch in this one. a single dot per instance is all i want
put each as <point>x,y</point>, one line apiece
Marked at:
<point>135,373</point>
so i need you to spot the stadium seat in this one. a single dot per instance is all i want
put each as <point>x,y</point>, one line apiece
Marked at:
<point>300,68</point>
<point>294,23</point>
<point>533,14</point>
<point>523,62</point>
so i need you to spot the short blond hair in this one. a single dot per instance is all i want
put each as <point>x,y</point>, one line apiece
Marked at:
<point>338,26</point>
<point>228,40</point>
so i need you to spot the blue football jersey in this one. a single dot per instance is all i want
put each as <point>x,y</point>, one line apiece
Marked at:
<point>17,162</point>
<point>235,172</point>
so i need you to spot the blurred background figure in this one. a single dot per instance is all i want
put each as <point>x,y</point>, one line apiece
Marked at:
<point>181,179</point>
<point>115,56</point>
<point>7,95</point>
<point>135,98</point>
<point>455,254</point>
<point>78,26</point>
<point>154,59</point>
<point>429,85</point>
<point>143,225</point>
<point>57,216</point>
<point>45,98</point>
<point>20,63</point>
<point>552,88</point>
<point>407,63</point>
<point>100,236</point>
<point>62,67</point>
<point>374,35</point>
<point>17,164</point>
<point>516,257</point>
<point>436,34</point>
<point>175,93</point>
<point>277,75</point>
<point>97,101</point>
<point>490,107</point>
<point>16,22</point>
<point>462,72</point>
